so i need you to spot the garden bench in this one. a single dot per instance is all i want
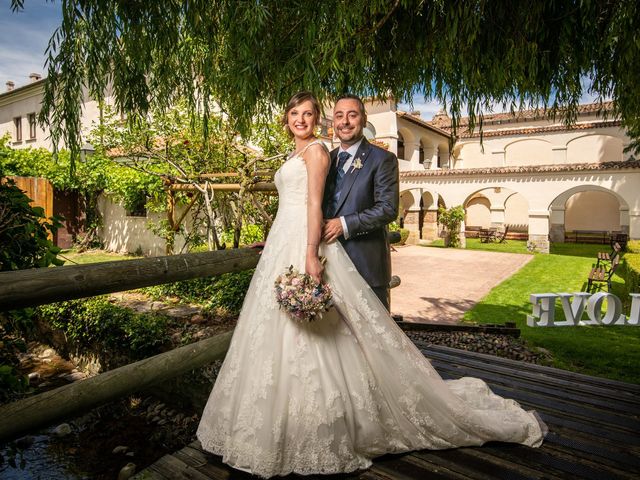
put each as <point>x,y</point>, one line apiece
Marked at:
<point>587,236</point>
<point>619,237</point>
<point>503,235</point>
<point>472,231</point>
<point>602,274</point>
<point>488,235</point>
<point>606,257</point>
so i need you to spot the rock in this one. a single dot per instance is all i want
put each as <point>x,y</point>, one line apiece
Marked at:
<point>25,442</point>
<point>127,471</point>
<point>120,449</point>
<point>47,353</point>
<point>34,377</point>
<point>62,430</point>
<point>197,319</point>
<point>489,343</point>
<point>130,454</point>
<point>74,376</point>
<point>157,305</point>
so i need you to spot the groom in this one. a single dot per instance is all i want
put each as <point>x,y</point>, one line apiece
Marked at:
<point>361,196</point>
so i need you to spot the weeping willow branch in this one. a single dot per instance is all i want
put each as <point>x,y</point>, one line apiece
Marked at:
<point>247,58</point>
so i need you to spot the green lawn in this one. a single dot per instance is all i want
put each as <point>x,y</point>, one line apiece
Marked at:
<point>511,246</point>
<point>606,351</point>
<point>520,246</point>
<point>72,257</point>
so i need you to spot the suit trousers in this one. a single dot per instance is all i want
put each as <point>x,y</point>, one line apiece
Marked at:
<point>383,294</point>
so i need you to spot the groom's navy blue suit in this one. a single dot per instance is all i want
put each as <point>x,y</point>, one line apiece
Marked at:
<point>368,200</point>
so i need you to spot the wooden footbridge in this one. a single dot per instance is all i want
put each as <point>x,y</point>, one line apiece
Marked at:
<point>594,431</point>
<point>594,426</point>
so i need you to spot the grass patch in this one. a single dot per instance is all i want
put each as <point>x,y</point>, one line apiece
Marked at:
<point>509,246</point>
<point>587,250</point>
<point>605,351</point>
<point>73,257</point>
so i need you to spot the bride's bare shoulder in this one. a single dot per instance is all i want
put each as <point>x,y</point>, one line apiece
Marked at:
<point>316,149</point>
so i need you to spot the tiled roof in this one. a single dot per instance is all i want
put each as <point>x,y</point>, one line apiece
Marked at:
<point>565,167</point>
<point>542,129</point>
<point>442,121</point>
<point>423,123</point>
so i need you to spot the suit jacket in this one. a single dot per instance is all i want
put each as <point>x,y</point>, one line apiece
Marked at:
<point>368,201</point>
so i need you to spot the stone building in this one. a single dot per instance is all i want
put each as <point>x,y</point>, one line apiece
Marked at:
<point>541,179</point>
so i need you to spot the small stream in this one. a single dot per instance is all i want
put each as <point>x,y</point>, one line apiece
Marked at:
<point>48,458</point>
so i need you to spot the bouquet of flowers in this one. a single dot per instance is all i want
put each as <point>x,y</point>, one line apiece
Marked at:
<point>301,297</point>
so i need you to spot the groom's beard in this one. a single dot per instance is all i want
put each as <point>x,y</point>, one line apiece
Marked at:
<point>351,141</point>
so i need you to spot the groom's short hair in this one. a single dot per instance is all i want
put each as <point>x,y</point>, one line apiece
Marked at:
<point>351,96</point>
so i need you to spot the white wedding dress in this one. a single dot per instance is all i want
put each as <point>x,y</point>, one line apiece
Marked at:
<point>329,396</point>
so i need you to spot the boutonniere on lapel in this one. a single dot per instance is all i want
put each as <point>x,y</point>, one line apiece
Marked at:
<point>357,165</point>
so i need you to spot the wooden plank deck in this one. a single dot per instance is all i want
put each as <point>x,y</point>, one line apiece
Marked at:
<point>594,431</point>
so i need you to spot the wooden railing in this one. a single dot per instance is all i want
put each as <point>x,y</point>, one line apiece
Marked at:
<point>27,288</point>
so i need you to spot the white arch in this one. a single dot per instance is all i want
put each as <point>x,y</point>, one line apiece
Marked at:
<point>595,148</point>
<point>560,201</point>
<point>407,135</point>
<point>527,139</point>
<point>596,134</point>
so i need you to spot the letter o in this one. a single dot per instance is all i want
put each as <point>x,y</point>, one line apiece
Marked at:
<point>614,308</point>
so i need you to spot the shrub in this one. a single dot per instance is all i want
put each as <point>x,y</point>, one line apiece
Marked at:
<point>11,382</point>
<point>230,290</point>
<point>24,243</point>
<point>630,272</point>
<point>404,234</point>
<point>225,292</point>
<point>249,233</point>
<point>451,219</point>
<point>197,290</point>
<point>633,246</point>
<point>24,231</point>
<point>98,321</point>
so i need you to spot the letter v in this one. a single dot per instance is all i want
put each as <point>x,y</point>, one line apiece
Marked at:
<point>573,309</point>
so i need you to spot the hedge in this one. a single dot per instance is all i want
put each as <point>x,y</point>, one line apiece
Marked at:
<point>630,272</point>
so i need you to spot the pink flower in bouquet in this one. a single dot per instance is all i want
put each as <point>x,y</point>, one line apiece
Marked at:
<point>301,297</point>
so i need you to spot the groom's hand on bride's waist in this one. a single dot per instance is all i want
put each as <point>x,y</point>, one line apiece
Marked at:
<point>332,230</point>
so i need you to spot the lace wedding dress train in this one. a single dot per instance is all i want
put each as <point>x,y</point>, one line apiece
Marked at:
<point>327,397</point>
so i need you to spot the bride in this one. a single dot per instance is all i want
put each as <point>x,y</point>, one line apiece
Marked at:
<point>328,396</point>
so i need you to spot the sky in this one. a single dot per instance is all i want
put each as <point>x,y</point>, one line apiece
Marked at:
<point>24,37</point>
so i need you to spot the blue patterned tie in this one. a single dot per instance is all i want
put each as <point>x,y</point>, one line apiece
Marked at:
<point>342,159</point>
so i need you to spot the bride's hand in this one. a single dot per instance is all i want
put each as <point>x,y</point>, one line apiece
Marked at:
<point>314,268</point>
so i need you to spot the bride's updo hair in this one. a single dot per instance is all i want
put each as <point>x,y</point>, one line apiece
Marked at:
<point>296,100</point>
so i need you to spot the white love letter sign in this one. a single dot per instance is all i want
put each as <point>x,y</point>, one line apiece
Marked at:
<point>574,305</point>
